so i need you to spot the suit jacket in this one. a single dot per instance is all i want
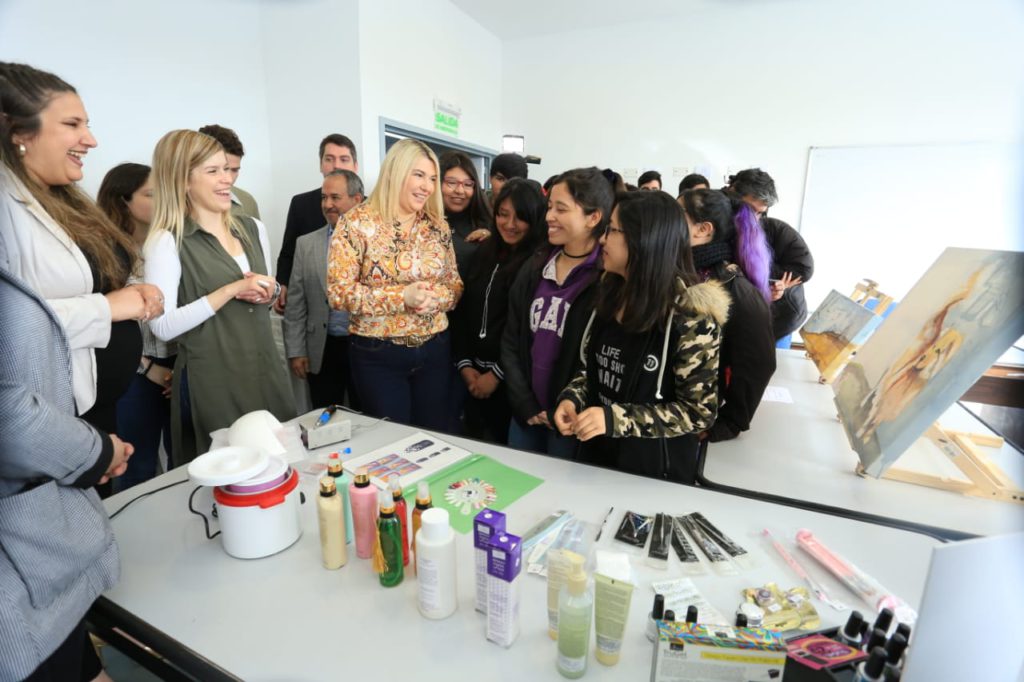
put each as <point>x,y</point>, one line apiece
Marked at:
<point>243,203</point>
<point>304,216</point>
<point>306,315</point>
<point>44,256</point>
<point>58,552</point>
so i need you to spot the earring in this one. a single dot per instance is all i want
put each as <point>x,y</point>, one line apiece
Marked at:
<point>21,149</point>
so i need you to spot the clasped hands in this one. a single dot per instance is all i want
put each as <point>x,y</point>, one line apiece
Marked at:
<point>585,425</point>
<point>421,298</point>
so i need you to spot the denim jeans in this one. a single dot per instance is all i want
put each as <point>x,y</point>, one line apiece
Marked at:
<point>407,385</point>
<point>143,419</point>
<point>541,439</point>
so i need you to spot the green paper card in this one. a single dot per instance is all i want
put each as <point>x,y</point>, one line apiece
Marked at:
<point>466,487</point>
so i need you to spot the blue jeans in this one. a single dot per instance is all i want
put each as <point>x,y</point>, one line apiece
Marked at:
<point>407,385</point>
<point>541,439</point>
<point>143,419</point>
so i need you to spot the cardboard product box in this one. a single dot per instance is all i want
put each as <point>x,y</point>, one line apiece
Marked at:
<point>685,652</point>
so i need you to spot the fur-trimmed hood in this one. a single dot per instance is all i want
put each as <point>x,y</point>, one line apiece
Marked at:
<point>707,298</point>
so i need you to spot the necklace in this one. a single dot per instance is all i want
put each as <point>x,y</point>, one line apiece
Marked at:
<point>569,255</point>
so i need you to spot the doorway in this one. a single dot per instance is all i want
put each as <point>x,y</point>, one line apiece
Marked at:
<point>393,131</point>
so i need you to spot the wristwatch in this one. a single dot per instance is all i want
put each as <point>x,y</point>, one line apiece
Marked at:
<point>143,366</point>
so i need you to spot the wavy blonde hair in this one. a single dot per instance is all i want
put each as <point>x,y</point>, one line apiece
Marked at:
<point>393,172</point>
<point>177,154</point>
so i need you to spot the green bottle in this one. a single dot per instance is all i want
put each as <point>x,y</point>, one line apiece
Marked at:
<point>388,559</point>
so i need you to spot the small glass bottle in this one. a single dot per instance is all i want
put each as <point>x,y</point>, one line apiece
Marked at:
<point>388,561</point>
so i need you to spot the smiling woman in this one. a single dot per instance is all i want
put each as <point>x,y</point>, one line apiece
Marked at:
<point>61,244</point>
<point>213,270</point>
<point>392,266</point>
<point>55,244</point>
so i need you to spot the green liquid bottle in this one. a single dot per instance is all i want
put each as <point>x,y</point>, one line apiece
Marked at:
<point>389,534</point>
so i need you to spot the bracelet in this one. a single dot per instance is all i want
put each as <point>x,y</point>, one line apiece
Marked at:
<point>277,291</point>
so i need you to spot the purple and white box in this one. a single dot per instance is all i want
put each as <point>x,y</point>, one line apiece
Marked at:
<point>504,564</point>
<point>486,525</point>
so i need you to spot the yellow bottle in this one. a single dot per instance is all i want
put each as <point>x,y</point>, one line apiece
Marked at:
<point>332,525</point>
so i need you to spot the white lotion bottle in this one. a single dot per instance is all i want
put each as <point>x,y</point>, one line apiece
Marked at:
<point>435,565</point>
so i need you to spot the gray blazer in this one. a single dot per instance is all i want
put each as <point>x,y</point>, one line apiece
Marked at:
<point>58,550</point>
<point>305,315</point>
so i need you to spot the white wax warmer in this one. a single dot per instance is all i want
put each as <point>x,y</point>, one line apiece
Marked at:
<point>257,499</point>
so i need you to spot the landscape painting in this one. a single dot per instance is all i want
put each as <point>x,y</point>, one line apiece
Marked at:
<point>836,329</point>
<point>956,321</point>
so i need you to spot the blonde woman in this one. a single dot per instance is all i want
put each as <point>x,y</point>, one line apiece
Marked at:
<point>392,267</point>
<point>212,270</point>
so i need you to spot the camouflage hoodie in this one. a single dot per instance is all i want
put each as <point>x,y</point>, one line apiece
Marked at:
<point>663,406</point>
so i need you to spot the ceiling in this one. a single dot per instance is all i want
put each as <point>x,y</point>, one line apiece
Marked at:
<point>510,20</point>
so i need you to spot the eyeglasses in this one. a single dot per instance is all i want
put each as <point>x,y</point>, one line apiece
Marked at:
<point>611,229</point>
<point>453,185</point>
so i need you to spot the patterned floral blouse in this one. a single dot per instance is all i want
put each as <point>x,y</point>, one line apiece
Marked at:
<point>370,264</point>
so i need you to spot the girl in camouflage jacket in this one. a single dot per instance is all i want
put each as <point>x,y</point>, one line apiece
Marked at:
<point>650,353</point>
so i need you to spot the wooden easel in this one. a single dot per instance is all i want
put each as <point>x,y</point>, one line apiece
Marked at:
<point>986,479</point>
<point>865,290</point>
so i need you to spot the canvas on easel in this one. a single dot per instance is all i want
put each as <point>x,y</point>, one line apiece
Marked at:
<point>834,331</point>
<point>965,311</point>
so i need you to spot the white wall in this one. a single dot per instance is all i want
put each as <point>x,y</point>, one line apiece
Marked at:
<point>741,84</point>
<point>413,51</point>
<point>142,74</point>
<point>311,62</point>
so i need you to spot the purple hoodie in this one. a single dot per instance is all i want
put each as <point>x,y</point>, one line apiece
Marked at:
<point>548,311</point>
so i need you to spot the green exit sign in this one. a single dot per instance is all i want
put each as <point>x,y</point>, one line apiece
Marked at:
<point>446,123</point>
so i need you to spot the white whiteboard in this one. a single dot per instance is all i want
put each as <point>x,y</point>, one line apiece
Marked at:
<point>887,212</point>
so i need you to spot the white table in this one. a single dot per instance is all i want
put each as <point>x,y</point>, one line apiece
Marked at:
<point>799,450</point>
<point>286,618</point>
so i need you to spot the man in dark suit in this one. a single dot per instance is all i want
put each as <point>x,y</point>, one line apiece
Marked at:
<point>337,152</point>
<point>316,337</point>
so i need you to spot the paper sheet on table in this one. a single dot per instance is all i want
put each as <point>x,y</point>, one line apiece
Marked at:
<point>681,593</point>
<point>777,394</point>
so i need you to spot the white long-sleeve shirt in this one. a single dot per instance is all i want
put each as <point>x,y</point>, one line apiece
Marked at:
<point>163,270</point>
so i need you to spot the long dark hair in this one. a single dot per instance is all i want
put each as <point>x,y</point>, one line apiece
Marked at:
<point>116,190</point>
<point>659,255</point>
<point>24,93</point>
<point>479,211</point>
<point>530,206</point>
<point>736,224</point>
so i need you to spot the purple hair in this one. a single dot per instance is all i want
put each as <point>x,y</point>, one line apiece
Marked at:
<point>753,254</point>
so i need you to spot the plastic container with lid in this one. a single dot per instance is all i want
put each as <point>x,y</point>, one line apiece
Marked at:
<point>257,499</point>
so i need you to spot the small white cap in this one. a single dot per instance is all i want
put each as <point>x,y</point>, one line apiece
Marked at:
<point>393,483</point>
<point>434,524</point>
<point>423,490</point>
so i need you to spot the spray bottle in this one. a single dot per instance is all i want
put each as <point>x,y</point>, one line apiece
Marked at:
<point>423,503</point>
<point>332,526</point>
<point>387,559</point>
<point>402,512</point>
<point>575,612</point>
<point>364,513</point>
<point>342,481</point>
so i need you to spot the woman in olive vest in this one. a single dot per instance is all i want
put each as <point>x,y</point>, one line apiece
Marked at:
<point>212,270</point>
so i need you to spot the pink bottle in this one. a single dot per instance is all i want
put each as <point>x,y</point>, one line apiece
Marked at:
<point>363,498</point>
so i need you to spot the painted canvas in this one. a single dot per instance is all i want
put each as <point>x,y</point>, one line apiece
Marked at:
<point>835,329</point>
<point>965,311</point>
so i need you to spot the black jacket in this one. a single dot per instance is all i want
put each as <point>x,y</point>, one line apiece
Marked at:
<point>789,254</point>
<point>747,360</point>
<point>304,216</point>
<point>478,322</point>
<point>515,343</point>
